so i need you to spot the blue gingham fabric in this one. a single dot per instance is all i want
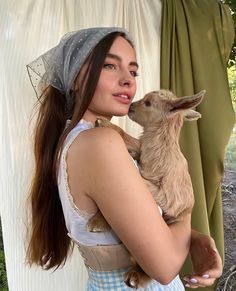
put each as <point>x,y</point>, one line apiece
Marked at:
<point>113,281</point>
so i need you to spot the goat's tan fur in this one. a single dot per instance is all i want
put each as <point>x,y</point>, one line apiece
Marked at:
<point>162,165</point>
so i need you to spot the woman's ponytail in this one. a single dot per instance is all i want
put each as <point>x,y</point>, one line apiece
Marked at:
<point>49,243</point>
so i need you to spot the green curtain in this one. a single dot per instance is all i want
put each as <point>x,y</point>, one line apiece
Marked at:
<point>196,40</point>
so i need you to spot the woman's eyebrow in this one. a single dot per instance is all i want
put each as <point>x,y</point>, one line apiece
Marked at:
<point>118,58</point>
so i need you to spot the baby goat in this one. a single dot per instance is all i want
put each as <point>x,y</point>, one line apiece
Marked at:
<point>162,165</point>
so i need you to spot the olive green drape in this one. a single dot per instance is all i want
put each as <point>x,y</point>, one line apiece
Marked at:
<point>196,40</point>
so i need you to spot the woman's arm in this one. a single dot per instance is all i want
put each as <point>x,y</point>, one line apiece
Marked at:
<point>114,183</point>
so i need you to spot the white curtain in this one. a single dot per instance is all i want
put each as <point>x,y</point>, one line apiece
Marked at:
<point>27,29</point>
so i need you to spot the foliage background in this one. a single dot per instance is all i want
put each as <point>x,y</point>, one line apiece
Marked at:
<point>3,275</point>
<point>232,5</point>
<point>230,156</point>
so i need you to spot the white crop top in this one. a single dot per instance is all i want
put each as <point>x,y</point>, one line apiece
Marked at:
<point>76,219</point>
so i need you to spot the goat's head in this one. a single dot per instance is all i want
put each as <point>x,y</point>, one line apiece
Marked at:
<point>163,104</point>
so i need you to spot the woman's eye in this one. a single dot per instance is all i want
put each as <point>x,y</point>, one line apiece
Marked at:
<point>110,66</point>
<point>134,73</point>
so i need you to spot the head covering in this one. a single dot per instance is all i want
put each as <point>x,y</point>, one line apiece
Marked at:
<point>60,65</point>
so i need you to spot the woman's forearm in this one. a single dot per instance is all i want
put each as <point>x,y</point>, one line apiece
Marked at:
<point>181,232</point>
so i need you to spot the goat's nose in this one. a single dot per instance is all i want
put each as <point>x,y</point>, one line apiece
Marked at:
<point>131,108</point>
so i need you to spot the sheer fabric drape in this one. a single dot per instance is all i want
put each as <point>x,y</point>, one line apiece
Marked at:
<point>29,28</point>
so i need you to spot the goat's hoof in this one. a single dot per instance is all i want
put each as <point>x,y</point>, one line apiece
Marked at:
<point>132,279</point>
<point>98,224</point>
<point>135,279</point>
<point>103,123</point>
<point>97,122</point>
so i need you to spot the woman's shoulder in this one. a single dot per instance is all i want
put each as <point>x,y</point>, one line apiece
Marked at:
<point>101,140</point>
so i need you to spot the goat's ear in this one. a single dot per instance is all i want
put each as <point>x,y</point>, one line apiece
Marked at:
<point>187,102</point>
<point>192,115</point>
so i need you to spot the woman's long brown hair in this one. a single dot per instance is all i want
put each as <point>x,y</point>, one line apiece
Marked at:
<point>49,244</point>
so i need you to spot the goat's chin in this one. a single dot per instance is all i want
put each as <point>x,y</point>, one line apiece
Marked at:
<point>131,115</point>
<point>133,118</point>
<point>136,120</point>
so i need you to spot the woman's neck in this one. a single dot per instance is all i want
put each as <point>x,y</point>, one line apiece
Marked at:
<point>92,117</point>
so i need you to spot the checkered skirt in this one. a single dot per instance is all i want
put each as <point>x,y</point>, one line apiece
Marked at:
<point>114,281</point>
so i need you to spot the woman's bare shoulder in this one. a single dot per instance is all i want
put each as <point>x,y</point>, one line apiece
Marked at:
<point>98,140</point>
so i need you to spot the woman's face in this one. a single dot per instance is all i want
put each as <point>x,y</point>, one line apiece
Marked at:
<point>116,85</point>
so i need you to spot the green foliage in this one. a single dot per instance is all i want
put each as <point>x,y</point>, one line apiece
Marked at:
<point>3,273</point>
<point>230,157</point>
<point>232,5</point>
<point>232,85</point>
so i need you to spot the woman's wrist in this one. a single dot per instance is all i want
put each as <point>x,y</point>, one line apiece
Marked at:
<point>197,238</point>
<point>194,235</point>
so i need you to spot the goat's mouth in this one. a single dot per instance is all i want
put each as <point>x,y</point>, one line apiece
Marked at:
<point>131,110</point>
<point>131,113</point>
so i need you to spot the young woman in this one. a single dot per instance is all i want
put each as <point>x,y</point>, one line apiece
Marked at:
<point>81,168</point>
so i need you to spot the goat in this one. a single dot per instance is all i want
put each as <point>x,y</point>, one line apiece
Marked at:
<point>162,164</point>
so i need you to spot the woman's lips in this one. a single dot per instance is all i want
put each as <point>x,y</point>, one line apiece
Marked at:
<point>122,98</point>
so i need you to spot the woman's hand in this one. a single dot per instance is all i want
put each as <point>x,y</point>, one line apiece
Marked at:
<point>206,261</point>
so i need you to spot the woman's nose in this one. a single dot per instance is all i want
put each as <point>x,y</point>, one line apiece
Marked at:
<point>127,80</point>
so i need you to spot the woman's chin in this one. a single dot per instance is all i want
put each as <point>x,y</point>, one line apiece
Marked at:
<point>122,112</point>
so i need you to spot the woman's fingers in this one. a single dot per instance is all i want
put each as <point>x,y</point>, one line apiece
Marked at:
<point>207,279</point>
<point>197,281</point>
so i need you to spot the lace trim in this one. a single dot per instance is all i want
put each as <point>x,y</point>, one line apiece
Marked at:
<point>81,212</point>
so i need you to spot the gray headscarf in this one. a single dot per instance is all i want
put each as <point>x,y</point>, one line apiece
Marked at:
<point>60,65</point>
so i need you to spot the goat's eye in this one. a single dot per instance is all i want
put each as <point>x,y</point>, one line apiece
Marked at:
<point>147,103</point>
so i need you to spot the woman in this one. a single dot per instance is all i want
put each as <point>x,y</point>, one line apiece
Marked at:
<point>79,168</point>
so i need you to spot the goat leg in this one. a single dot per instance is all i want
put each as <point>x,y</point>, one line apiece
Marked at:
<point>135,277</point>
<point>98,223</point>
